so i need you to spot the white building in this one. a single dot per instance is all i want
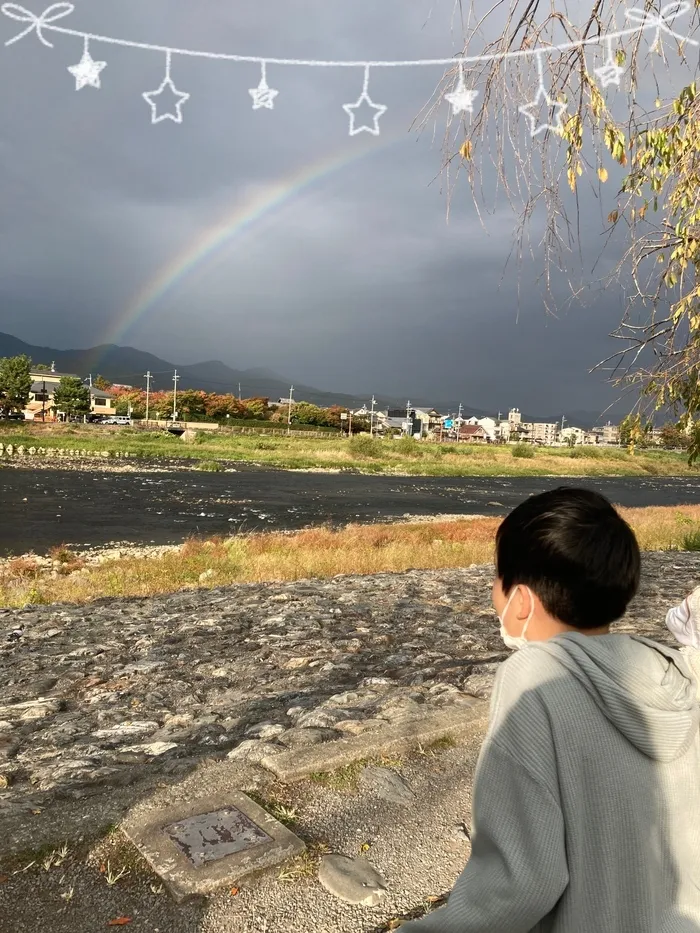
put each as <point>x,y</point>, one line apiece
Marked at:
<point>544,432</point>
<point>577,433</point>
<point>611,434</point>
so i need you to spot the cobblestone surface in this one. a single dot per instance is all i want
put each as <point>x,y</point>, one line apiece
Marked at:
<point>100,696</point>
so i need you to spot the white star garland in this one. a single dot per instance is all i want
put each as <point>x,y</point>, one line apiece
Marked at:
<point>87,72</point>
<point>263,96</point>
<point>529,110</point>
<point>167,87</point>
<point>364,98</point>
<point>462,99</point>
<point>610,72</point>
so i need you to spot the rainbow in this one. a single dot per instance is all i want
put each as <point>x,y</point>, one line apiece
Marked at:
<point>212,242</point>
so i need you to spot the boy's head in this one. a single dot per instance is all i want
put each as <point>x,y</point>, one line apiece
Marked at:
<point>574,552</point>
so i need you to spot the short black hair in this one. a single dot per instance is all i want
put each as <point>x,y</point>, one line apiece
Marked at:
<point>574,551</point>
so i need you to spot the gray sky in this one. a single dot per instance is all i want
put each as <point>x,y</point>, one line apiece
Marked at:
<point>354,282</point>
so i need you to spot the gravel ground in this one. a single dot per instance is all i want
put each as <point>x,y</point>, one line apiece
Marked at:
<point>419,850</point>
<point>297,655</point>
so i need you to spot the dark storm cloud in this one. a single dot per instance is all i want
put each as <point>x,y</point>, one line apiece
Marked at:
<point>356,283</point>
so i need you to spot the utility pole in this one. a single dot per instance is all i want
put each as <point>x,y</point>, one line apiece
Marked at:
<point>408,418</point>
<point>350,426</point>
<point>289,411</point>
<point>175,379</point>
<point>43,399</point>
<point>90,378</point>
<point>371,418</point>
<point>239,392</point>
<point>148,392</point>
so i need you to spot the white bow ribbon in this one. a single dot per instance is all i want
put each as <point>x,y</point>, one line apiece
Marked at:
<point>647,19</point>
<point>36,23</point>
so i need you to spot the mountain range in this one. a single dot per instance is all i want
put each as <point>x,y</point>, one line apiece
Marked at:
<point>128,366</point>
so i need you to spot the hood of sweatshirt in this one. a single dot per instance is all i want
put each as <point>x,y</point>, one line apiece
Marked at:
<point>647,691</point>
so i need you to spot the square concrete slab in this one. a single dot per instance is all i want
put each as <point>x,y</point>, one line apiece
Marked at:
<point>199,846</point>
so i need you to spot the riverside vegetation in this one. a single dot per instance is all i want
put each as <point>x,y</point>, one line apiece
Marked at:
<point>360,453</point>
<point>312,553</point>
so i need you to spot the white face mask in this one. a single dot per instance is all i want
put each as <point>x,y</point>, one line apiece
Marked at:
<point>511,641</point>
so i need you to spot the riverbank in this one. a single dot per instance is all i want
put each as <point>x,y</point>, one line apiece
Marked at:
<point>130,704</point>
<point>123,571</point>
<point>360,453</point>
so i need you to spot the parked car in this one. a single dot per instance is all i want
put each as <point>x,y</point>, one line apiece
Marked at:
<point>12,416</point>
<point>117,419</point>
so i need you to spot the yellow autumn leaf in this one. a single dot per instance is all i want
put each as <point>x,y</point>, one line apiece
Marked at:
<point>603,173</point>
<point>579,169</point>
<point>466,150</point>
<point>571,176</point>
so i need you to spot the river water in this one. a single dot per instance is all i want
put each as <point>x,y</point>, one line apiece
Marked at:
<point>43,508</point>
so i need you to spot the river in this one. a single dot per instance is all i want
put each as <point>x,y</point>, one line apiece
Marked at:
<point>43,508</point>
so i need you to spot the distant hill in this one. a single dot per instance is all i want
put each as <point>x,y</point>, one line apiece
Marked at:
<point>128,366</point>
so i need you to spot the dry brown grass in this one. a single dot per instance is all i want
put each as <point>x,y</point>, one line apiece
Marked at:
<point>317,552</point>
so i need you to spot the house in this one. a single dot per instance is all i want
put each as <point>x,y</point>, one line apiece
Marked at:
<point>394,420</point>
<point>578,435</point>
<point>430,418</point>
<point>102,402</point>
<point>472,433</point>
<point>611,434</point>
<point>544,432</point>
<point>40,406</point>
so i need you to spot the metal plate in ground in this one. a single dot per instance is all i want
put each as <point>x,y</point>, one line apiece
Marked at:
<point>209,837</point>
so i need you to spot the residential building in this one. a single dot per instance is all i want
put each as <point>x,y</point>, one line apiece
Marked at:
<point>102,402</point>
<point>40,406</point>
<point>472,433</point>
<point>578,435</point>
<point>392,420</point>
<point>544,432</point>
<point>503,431</point>
<point>514,416</point>
<point>611,433</point>
<point>489,426</point>
<point>523,431</point>
<point>430,418</point>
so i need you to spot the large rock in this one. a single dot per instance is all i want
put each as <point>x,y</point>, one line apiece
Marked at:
<point>387,784</point>
<point>352,880</point>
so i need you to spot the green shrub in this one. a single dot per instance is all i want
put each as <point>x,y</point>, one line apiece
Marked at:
<point>523,450</point>
<point>691,541</point>
<point>407,447</point>
<point>588,452</point>
<point>365,446</point>
<point>211,466</point>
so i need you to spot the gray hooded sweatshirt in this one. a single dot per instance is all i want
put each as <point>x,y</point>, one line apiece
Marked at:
<point>586,801</point>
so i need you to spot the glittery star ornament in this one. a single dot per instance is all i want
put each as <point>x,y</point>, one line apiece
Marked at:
<point>461,97</point>
<point>531,111</point>
<point>87,72</point>
<point>263,96</point>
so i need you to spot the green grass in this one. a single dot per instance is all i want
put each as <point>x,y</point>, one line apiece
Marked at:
<point>360,453</point>
<point>524,451</point>
<point>211,466</point>
<point>691,541</point>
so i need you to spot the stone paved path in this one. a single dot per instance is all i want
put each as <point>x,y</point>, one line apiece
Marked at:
<point>98,697</point>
